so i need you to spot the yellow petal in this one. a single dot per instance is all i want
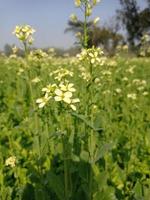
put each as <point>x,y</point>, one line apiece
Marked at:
<point>63,87</point>
<point>91,55</point>
<point>93,61</point>
<point>67,100</point>
<point>68,94</point>
<point>76,100</point>
<point>58,92</point>
<point>57,98</point>
<point>39,100</point>
<point>73,107</point>
<point>41,105</point>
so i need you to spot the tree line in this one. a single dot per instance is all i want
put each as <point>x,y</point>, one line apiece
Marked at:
<point>127,27</point>
<point>130,18</point>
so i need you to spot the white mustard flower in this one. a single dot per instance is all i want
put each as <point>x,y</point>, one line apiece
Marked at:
<point>24,33</point>
<point>132,96</point>
<point>96,20</point>
<point>43,101</point>
<point>36,80</point>
<point>73,101</point>
<point>145,93</point>
<point>63,96</point>
<point>118,90</point>
<point>11,161</point>
<point>49,88</point>
<point>67,87</point>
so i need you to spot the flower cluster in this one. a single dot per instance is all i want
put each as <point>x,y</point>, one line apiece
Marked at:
<point>36,80</point>
<point>145,46</point>
<point>139,83</point>
<point>37,55</point>
<point>132,96</point>
<point>51,52</point>
<point>92,55</point>
<point>14,50</point>
<point>24,33</point>
<point>60,93</point>
<point>20,71</point>
<point>141,86</point>
<point>122,50</point>
<point>61,73</point>
<point>90,4</point>
<point>131,69</point>
<point>86,7</point>
<point>11,161</point>
<point>118,90</point>
<point>85,75</point>
<point>73,18</point>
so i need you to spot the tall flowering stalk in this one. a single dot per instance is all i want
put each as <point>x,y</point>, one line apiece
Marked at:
<point>24,34</point>
<point>91,59</point>
<point>86,6</point>
<point>62,93</point>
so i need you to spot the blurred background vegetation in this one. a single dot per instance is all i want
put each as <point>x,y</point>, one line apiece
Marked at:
<point>127,28</point>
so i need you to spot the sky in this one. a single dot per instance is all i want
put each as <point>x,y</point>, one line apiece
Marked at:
<point>49,19</point>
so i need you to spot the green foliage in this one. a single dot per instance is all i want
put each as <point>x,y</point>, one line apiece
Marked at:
<point>99,152</point>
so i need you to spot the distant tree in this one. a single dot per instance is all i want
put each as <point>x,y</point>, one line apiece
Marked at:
<point>144,17</point>
<point>135,21</point>
<point>148,1</point>
<point>106,37</point>
<point>97,36</point>
<point>77,27</point>
<point>7,49</point>
<point>129,16</point>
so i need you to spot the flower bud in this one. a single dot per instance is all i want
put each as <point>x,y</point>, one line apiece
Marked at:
<point>73,18</point>
<point>89,10</point>
<point>96,20</point>
<point>95,2</point>
<point>78,3</point>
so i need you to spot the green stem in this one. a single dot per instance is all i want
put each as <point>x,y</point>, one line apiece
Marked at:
<point>32,102</point>
<point>85,42</point>
<point>91,134</point>
<point>90,182</point>
<point>25,49</point>
<point>66,174</point>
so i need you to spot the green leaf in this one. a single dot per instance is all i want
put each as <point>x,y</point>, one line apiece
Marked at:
<point>6,193</point>
<point>56,184</point>
<point>89,124</point>
<point>75,158</point>
<point>71,138</point>
<point>100,177</point>
<point>84,155</point>
<point>138,191</point>
<point>36,145</point>
<point>107,194</point>
<point>146,193</point>
<point>102,150</point>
